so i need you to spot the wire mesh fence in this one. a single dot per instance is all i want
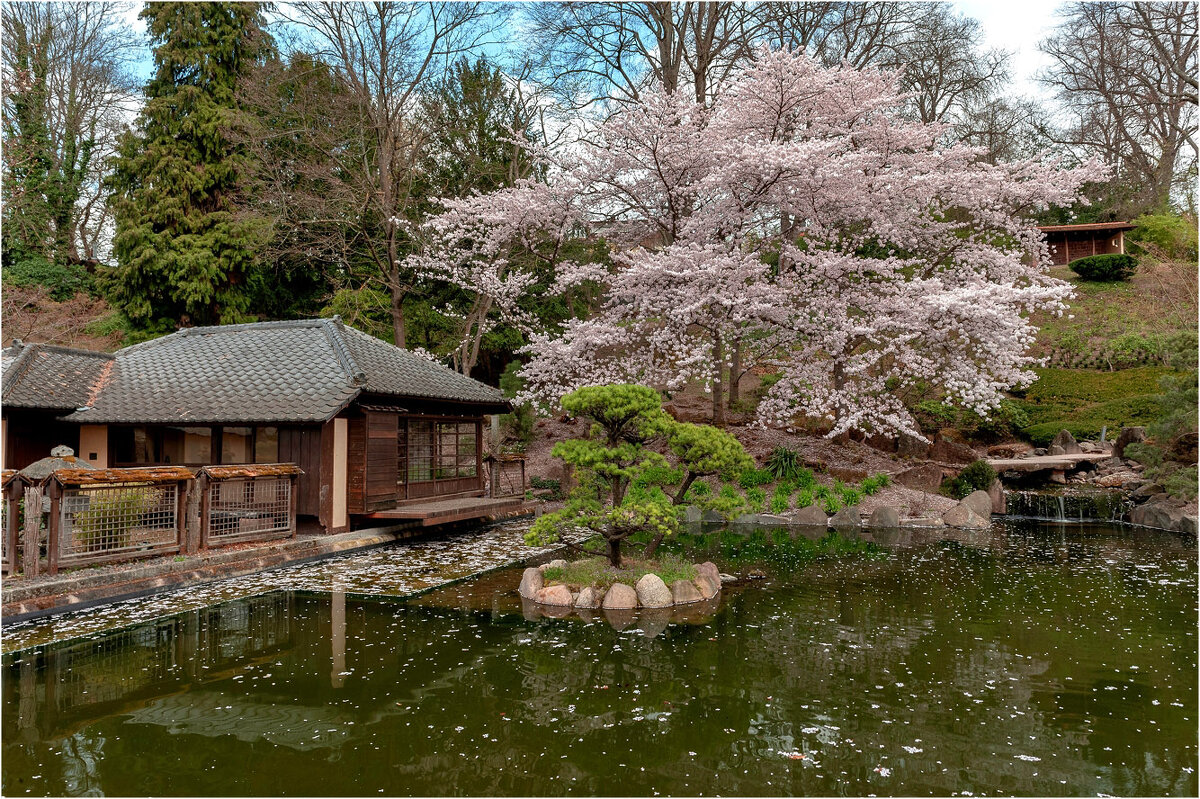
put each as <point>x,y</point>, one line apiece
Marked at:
<point>115,522</point>
<point>247,507</point>
<point>10,519</point>
<point>507,476</point>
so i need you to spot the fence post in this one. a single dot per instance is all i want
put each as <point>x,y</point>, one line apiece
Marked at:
<point>30,543</point>
<point>494,474</point>
<point>187,530</point>
<point>293,481</point>
<point>192,522</point>
<point>204,485</point>
<point>53,525</point>
<point>12,523</point>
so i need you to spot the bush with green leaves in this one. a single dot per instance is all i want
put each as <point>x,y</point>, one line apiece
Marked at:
<point>623,483</point>
<point>108,521</point>
<point>874,483</point>
<point>62,281</point>
<point>785,464</point>
<point>781,499</point>
<point>756,499</point>
<point>1173,236</point>
<point>751,478</point>
<point>517,425</point>
<point>1176,416</point>
<point>977,476</point>
<point>1105,268</point>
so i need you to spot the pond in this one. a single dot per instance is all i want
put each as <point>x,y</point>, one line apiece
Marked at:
<point>1032,659</point>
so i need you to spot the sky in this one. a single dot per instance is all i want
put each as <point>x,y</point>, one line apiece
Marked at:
<point>1016,26</point>
<point>1013,25</point>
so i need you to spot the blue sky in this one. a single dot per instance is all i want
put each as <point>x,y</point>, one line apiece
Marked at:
<point>1013,25</point>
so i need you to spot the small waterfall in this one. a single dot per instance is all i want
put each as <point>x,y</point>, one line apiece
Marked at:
<point>1067,506</point>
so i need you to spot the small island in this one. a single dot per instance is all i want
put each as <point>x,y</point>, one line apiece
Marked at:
<point>592,583</point>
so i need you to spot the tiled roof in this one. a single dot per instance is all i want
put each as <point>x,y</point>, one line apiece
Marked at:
<point>1087,226</point>
<point>51,377</point>
<point>301,371</point>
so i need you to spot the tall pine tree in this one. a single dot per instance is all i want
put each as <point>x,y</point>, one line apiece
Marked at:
<point>184,253</point>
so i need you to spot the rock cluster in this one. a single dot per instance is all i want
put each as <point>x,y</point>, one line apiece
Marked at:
<point>650,591</point>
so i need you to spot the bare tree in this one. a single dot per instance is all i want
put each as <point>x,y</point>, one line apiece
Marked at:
<point>1125,75</point>
<point>609,52</point>
<point>68,89</point>
<point>381,55</point>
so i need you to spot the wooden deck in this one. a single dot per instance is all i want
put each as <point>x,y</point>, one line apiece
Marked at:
<point>443,511</point>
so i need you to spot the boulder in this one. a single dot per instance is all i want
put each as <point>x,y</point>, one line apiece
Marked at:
<point>1157,514</point>
<point>761,520</point>
<point>881,443</point>
<point>620,597</point>
<point>999,501</point>
<point>846,474</point>
<point>708,574</point>
<point>588,598</point>
<point>812,516</point>
<point>706,587</point>
<point>557,563</point>
<point>1128,436</point>
<point>1012,450</point>
<point>926,477</point>
<point>684,592</point>
<point>980,502</point>
<point>911,447</point>
<point>692,515</point>
<point>729,578</point>
<point>922,521</point>
<point>554,595</point>
<point>846,519</point>
<point>1055,450</point>
<point>712,517</point>
<point>1067,442</point>
<point>531,582</point>
<point>1145,491</point>
<point>948,451</point>
<point>1182,449</point>
<point>652,592</point>
<point>962,516</point>
<point>1187,525</point>
<point>884,517</point>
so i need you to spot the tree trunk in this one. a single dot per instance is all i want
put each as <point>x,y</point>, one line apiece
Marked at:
<point>718,390</point>
<point>398,318</point>
<point>614,552</point>
<point>735,373</point>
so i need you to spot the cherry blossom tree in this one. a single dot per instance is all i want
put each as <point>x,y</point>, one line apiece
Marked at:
<point>801,219</point>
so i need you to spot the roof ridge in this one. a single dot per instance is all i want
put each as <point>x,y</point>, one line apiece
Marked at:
<point>274,324</point>
<point>334,330</point>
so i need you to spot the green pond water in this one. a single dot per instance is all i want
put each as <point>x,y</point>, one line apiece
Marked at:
<point>1044,660</point>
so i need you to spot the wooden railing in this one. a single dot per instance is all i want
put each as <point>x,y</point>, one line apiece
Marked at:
<point>247,503</point>
<point>114,515</point>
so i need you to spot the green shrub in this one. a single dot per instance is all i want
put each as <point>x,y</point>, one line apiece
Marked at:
<point>874,483</point>
<point>850,495</point>
<point>110,517</point>
<point>1182,482</point>
<point>781,499</point>
<point>751,478</point>
<point>756,499</point>
<point>977,476</point>
<point>805,497</point>
<point>62,280</point>
<point>1174,236</point>
<point>1145,453</point>
<point>784,464</point>
<point>554,486</point>
<point>1105,268</point>
<point>517,425</point>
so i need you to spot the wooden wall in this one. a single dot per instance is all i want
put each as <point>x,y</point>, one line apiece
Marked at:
<point>302,446</point>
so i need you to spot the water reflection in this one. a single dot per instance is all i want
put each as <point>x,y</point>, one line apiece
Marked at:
<point>1032,662</point>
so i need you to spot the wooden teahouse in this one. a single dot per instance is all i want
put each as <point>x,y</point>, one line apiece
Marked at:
<point>380,432</point>
<point>1068,242</point>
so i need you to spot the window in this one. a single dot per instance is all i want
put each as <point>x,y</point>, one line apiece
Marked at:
<point>420,451</point>
<point>447,455</point>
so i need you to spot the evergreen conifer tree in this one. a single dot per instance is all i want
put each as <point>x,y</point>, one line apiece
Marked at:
<point>184,253</point>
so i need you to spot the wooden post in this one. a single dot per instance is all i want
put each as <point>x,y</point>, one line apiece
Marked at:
<point>494,475</point>
<point>191,520</point>
<point>293,482</point>
<point>53,524</point>
<point>204,485</point>
<point>12,510</point>
<point>33,529</point>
